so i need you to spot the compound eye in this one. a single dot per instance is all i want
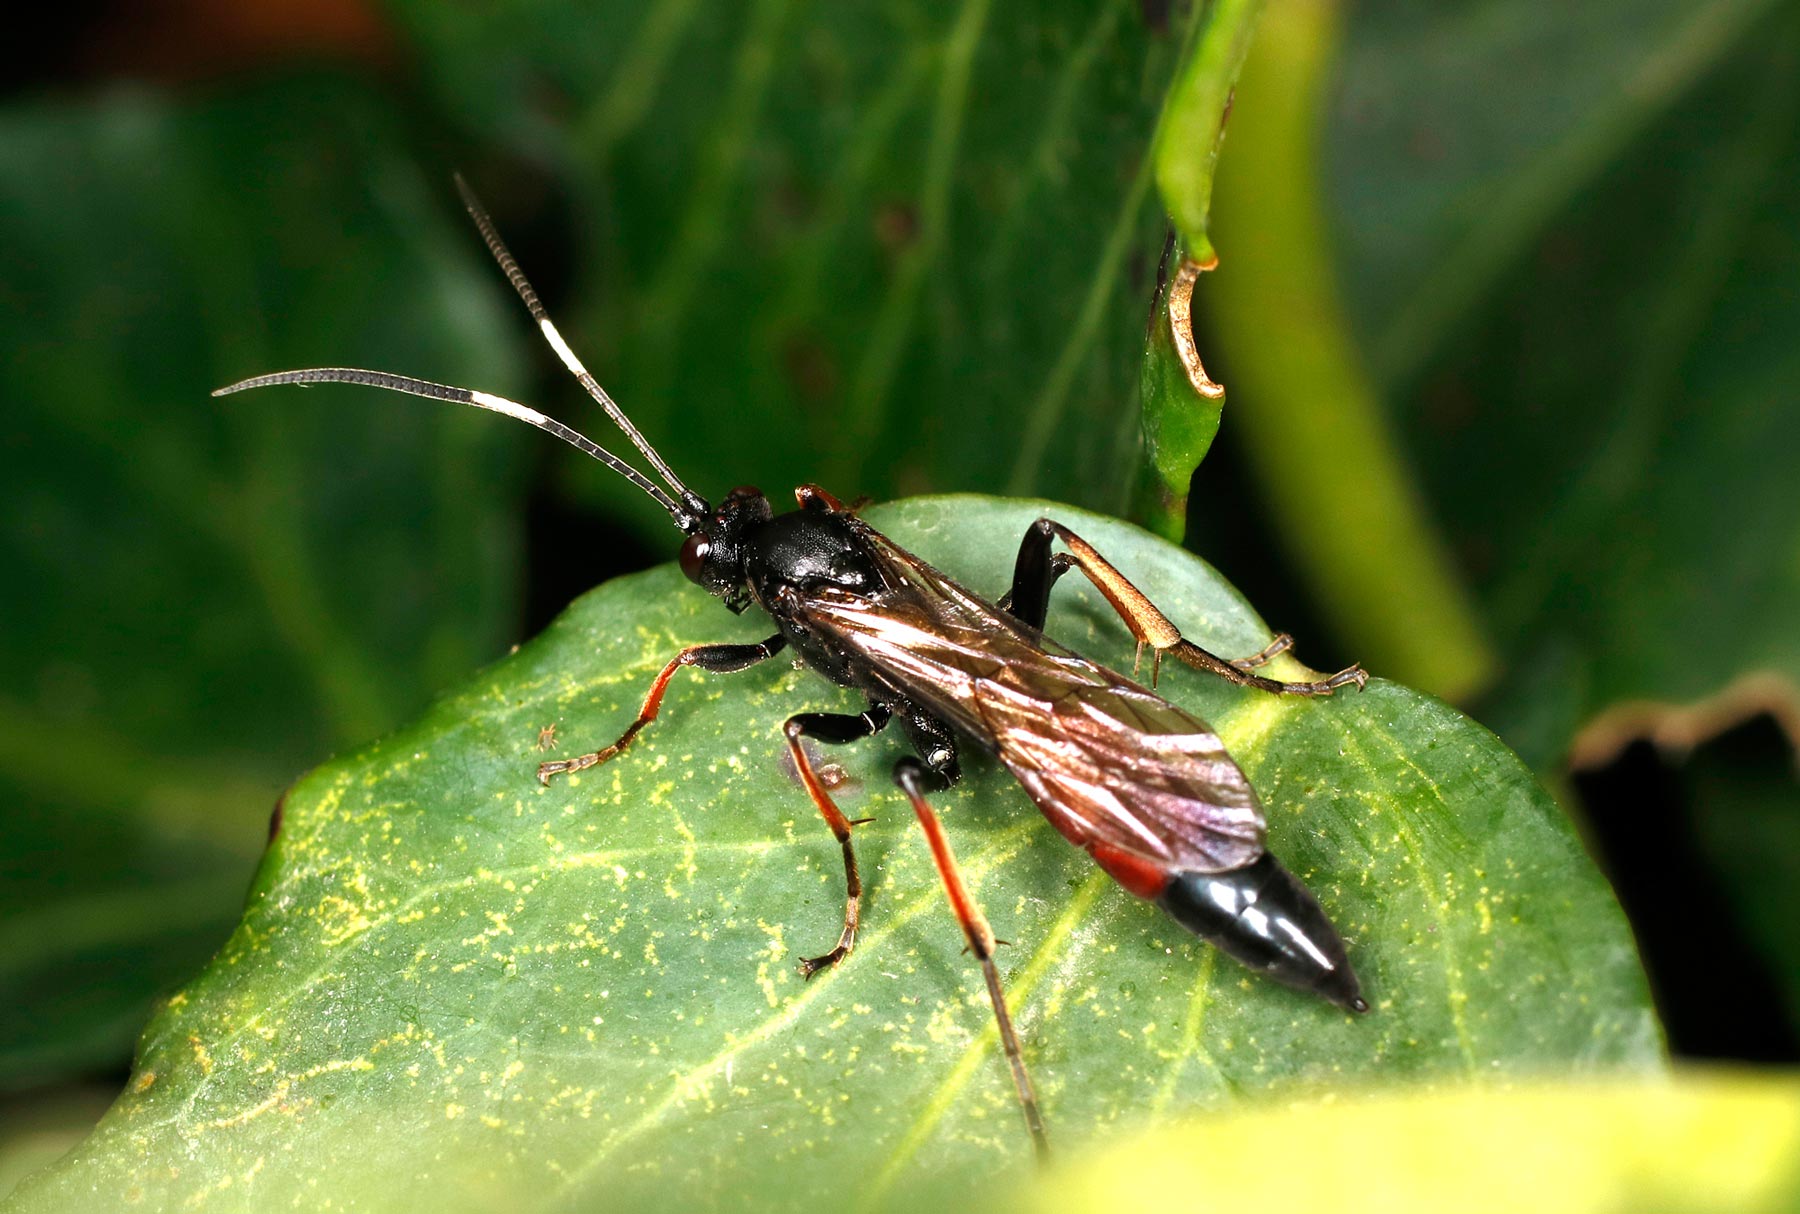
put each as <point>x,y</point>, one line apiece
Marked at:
<point>694,551</point>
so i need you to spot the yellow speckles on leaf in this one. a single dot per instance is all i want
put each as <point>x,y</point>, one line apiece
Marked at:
<point>945,1026</point>
<point>453,1110</point>
<point>273,1100</point>
<point>144,1082</point>
<point>336,1065</point>
<point>688,865</point>
<point>201,1197</point>
<point>329,802</point>
<point>341,919</point>
<point>773,960</point>
<point>201,1055</point>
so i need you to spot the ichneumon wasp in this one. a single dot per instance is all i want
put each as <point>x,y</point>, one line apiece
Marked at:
<point>1146,788</point>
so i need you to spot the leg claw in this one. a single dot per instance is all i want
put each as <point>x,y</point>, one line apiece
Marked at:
<point>813,965</point>
<point>557,767</point>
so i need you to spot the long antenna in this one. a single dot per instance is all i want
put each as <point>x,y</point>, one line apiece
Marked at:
<point>685,516</point>
<point>503,255</point>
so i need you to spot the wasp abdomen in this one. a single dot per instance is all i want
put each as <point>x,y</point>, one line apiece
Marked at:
<point>1262,916</point>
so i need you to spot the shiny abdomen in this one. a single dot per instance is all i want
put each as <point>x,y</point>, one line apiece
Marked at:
<point>1262,916</point>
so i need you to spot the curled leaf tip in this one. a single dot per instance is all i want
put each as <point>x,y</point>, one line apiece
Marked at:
<point>1181,325</point>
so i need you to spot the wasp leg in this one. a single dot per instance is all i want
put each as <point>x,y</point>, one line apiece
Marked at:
<point>934,742</point>
<point>914,779</point>
<point>1036,571</point>
<point>835,728</point>
<point>1275,648</point>
<point>719,659</point>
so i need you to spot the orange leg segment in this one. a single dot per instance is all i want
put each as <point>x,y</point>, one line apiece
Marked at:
<point>1037,571</point>
<point>912,776</point>
<point>720,659</point>
<point>835,728</point>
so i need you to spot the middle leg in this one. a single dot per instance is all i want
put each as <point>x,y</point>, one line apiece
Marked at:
<point>837,729</point>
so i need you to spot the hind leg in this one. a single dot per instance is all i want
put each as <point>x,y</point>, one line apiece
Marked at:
<point>914,779</point>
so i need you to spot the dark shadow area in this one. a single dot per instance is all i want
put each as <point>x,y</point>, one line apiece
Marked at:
<point>1649,814</point>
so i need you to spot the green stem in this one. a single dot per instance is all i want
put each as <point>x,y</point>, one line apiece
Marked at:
<point>1316,436</point>
<point>1180,416</point>
<point>1193,117</point>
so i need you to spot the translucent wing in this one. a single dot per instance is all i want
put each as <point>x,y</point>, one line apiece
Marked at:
<point>1109,762</point>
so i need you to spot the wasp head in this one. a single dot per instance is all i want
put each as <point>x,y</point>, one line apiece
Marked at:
<point>715,553</point>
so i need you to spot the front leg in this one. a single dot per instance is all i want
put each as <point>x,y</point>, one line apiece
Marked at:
<point>1037,570</point>
<point>719,659</point>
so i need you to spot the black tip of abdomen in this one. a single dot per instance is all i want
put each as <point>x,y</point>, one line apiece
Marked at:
<point>1262,916</point>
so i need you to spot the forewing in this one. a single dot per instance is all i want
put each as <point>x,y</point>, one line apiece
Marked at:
<point>1108,761</point>
<point>1133,771</point>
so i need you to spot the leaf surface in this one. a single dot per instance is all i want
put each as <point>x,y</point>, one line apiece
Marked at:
<point>1583,316</point>
<point>1181,405</point>
<point>1704,1143</point>
<point>916,242</point>
<point>449,979</point>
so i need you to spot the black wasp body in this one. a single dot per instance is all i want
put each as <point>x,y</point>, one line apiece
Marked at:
<point>949,666</point>
<point>1144,787</point>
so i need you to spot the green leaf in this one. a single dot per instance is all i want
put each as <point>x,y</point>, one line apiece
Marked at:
<point>1708,1143</point>
<point>1181,404</point>
<point>1437,203</point>
<point>1583,316</point>
<point>203,596</point>
<point>911,245</point>
<point>1330,468</point>
<point>1563,242</point>
<point>1192,127</point>
<point>35,1133</point>
<point>450,980</point>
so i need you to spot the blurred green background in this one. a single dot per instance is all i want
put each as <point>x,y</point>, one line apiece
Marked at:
<point>1507,315</point>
